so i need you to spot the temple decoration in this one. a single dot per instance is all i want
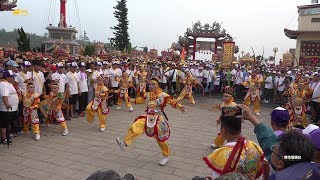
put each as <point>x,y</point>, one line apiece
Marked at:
<point>62,35</point>
<point>101,52</point>
<point>246,59</point>
<point>287,59</point>
<point>8,5</point>
<point>307,52</point>
<point>228,54</point>
<point>215,31</point>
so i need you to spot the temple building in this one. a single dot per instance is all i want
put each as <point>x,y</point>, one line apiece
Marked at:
<point>62,39</point>
<point>307,51</point>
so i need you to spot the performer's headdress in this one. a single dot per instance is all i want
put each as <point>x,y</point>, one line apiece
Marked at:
<point>228,91</point>
<point>29,82</point>
<point>155,79</point>
<point>54,83</point>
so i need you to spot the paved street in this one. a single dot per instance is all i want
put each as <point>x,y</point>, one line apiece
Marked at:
<point>86,150</point>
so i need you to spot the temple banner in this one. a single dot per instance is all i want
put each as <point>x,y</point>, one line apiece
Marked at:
<point>228,53</point>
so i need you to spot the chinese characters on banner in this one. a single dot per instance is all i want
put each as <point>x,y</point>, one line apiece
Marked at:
<point>228,53</point>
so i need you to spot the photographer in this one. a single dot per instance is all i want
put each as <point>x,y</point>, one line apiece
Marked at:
<point>246,161</point>
<point>288,154</point>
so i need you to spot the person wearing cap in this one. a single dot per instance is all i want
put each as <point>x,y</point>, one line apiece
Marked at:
<point>313,133</point>
<point>73,87</point>
<point>238,83</point>
<point>189,82</point>
<point>53,103</point>
<point>253,94</point>
<point>23,76</point>
<point>60,77</point>
<point>278,151</point>
<point>31,101</point>
<point>154,123</point>
<point>279,120</point>
<point>83,87</point>
<point>99,104</point>
<point>280,85</point>
<point>125,83</point>
<point>8,105</point>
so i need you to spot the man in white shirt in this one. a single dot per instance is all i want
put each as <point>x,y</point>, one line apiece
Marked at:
<point>23,75</point>
<point>268,88</point>
<point>8,106</point>
<point>238,82</point>
<point>280,86</point>
<point>73,87</point>
<point>83,88</point>
<point>114,74</point>
<point>38,78</point>
<point>130,71</point>
<point>315,99</point>
<point>171,80</point>
<point>61,77</point>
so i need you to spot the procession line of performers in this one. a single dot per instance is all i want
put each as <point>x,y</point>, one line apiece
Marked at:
<point>154,122</point>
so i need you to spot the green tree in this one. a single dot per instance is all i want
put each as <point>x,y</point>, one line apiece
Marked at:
<point>23,41</point>
<point>89,50</point>
<point>121,40</point>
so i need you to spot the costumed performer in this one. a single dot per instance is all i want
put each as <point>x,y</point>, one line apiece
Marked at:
<point>31,101</point>
<point>154,123</point>
<point>99,104</point>
<point>189,81</point>
<point>253,94</point>
<point>125,84</point>
<point>54,101</point>
<point>228,101</point>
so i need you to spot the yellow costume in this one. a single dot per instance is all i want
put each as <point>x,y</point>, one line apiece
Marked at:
<point>142,82</point>
<point>187,90</point>
<point>154,123</point>
<point>219,140</point>
<point>249,163</point>
<point>296,105</point>
<point>99,105</point>
<point>125,84</point>
<point>31,103</point>
<point>253,94</point>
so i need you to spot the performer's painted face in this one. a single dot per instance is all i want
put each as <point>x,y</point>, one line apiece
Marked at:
<point>54,88</point>
<point>226,98</point>
<point>153,85</point>
<point>30,88</point>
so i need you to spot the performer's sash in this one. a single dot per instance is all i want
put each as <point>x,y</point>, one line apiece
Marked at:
<point>44,107</point>
<point>150,124</point>
<point>122,92</point>
<point>95,104</point>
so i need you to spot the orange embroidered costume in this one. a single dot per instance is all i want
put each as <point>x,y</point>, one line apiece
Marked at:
<point>253,94</point>
<point>99,104</point>
<point>52,107</point>
<point>31,103</point>
<point>227,102</point>
<point>189,81</point>
<point>244,157</point>
<point>154,123</point>
<point>123,93</point>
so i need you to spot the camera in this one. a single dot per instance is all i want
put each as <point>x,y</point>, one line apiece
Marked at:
<point>231,111</point>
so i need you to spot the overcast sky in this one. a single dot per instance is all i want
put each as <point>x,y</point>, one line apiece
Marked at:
<point>157,23</point>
